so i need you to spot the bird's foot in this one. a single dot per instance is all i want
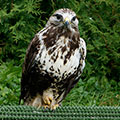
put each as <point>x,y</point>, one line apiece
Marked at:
<point>46,106</point>
<point>53,107</point>
<point>47,100</point>
<point>47,97</point>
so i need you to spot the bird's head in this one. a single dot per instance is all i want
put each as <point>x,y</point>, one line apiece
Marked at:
<point>65,18</point>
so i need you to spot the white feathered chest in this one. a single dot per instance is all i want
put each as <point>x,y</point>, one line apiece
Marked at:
<point>60,53</point>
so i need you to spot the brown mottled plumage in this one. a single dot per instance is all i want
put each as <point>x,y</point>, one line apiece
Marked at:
<point>54,61</point>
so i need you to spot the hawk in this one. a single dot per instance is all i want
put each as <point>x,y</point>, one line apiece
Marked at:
<point>54,61</point>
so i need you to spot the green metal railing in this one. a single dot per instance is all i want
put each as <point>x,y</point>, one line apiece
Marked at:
<point>61,113</point>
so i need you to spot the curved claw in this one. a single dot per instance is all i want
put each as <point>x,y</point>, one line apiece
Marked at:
<point>54,106</point>
<point>47,100</point>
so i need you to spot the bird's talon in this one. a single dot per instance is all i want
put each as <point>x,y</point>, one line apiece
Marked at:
<point>46,106</point>
<point>55,106</point>
<point>47,100</point>
<point>50,98</point>
<point>48,103</point>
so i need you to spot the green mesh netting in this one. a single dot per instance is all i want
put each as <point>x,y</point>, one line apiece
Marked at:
<point>61,113</point>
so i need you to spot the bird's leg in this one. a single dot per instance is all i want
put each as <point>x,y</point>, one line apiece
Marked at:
<point>47,97</point>
<point>35,101</point>
<point>47,100</point>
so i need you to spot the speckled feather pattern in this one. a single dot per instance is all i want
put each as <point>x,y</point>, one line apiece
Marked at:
<point>53,59</point>
<point>54,62</point>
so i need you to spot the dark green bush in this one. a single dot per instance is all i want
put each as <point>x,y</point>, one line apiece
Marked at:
<point>99,25</point>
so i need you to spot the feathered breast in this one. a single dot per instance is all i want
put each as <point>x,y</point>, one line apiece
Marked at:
<point>59,53</point>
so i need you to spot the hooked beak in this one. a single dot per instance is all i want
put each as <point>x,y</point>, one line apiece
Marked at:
<point>66,22</point>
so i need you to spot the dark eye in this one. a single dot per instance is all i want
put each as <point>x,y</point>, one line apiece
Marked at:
<point>74,18</point>
<point>58,16</point>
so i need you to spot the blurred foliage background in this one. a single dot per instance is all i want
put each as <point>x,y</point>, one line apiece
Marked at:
<point>99,25</point>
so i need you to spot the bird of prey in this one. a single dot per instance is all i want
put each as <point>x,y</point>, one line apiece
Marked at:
<point>54,61</point>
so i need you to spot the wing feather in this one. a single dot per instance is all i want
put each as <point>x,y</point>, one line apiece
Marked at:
<point>28,63</point>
